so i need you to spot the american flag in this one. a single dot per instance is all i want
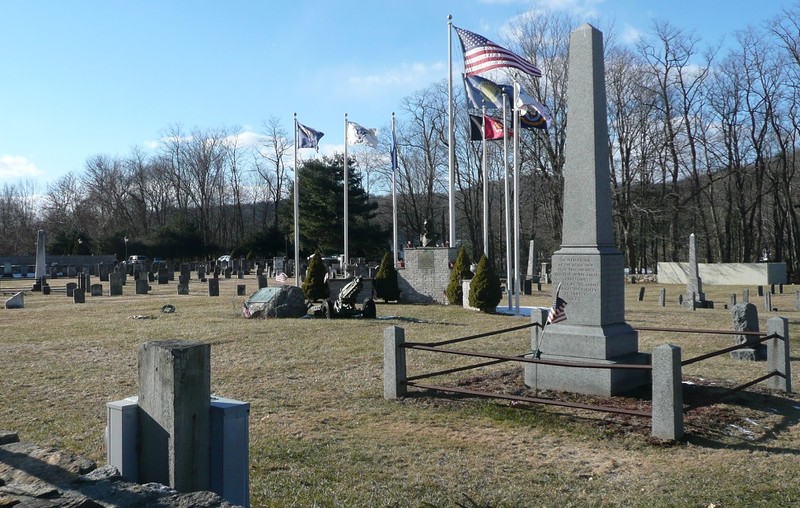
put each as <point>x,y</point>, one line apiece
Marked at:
<point>557,314</point>
<point>482,55</point>
<point>280,277</point>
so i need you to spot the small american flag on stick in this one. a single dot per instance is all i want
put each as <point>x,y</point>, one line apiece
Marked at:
<point>557,314</point>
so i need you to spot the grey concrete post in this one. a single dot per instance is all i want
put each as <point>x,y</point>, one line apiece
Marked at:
<point>641,293</point>
<point>662,297</point>
<point>745,295</point>
<point>394,363</point>
<point>667,393</point>
<point>797,300</point>
<point>733,299</point>
<point>778,357</point>
<point>174,405</point>
<point>768,301</point>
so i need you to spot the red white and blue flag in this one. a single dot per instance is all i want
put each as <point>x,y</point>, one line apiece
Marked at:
<point>557,314</point>
<point>482,55</point>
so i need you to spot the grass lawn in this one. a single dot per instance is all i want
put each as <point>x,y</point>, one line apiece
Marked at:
<point>321,433</point>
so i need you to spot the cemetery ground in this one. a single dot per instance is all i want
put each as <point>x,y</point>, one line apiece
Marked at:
<point>321,433</point>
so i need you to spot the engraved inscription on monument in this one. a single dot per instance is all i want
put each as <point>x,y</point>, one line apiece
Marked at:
<point>425,260</point>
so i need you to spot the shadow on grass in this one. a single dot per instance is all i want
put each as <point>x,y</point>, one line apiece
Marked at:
<point>718,417</point>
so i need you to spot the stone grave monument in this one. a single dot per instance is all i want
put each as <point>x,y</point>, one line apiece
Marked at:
<point>695,298</point>
<point>588,266</point>
<point>40,274</point>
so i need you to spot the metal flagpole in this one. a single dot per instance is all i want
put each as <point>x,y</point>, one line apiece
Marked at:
<point>394,157</point>
<point>451,148</point>
<point>485,192</point>
<point>507,207</point>
<point>296,212</point>
<point>346,191</point>
<point>516,200</point>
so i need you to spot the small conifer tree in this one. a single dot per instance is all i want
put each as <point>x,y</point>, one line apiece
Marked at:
<point>484,290</point>
<point>454,291</point>
<point>314,286</point>
<point>386,286</point>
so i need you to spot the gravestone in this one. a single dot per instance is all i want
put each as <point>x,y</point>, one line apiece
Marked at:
<point>142,287</point>
<point>746,295</point>
<point>588,267</point>
<point>115,282</point>
<point>745,319</point>
<point>102,271</point>
<point>71,288</point>
<point>241,289</point>
<point>96,289</point>
<point>275,302</point>
<point>183,279</point>
<point>183,289</point>
<point>695,298</point>
<point>533,259</point>
<point>79,295</point>
<point>16,302</point>
<point>151,277</point>
<point>797,300</point>
<point>41,266</point>
<point>201,272</point>
<point>733,300</point>
<point>240,274</point>
<point>768,302</point>
<point>262,281</point>
<point>163,276</point>
<point>186,270</point>
<point>662,297</point>
<point>228,272</point>
<point>213,287</point>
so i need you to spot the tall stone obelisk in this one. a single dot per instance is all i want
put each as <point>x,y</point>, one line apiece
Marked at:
<point>588,266</point>
<point>40,274</point>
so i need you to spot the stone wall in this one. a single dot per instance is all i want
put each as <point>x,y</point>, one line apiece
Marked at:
<point>731,274</point>
<point>426,274</point>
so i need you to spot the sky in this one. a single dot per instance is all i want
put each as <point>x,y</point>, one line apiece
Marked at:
<point>80,78</point>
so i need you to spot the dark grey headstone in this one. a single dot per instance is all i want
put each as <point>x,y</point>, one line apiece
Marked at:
<point>96,290</point>
<point>213,287</point>
<point>79,295</point>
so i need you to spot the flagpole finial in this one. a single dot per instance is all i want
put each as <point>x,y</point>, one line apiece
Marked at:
<point>449,18</point>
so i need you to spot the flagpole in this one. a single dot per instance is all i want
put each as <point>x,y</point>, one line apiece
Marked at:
<point>395,163</point>
<point>346,192</point>
<point>507,209</point>
<point>296,213</point>
<point>516,201</point>
<point>451,153</point>
<point>485,192</point>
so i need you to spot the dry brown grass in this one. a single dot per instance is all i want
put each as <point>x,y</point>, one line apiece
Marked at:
<point>321,433</point>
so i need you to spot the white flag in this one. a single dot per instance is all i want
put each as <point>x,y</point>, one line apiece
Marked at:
<point>358,135</point>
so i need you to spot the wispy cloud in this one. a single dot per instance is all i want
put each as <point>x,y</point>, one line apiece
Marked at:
<point>411,76</point>
<point>17,166</point>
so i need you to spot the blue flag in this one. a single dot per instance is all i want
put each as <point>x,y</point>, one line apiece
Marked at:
<point>309,138</point>
<point>484,92</point>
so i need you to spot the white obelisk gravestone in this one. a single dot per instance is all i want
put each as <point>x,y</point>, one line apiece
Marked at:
<point>588,266</point>
<point>40,275</point>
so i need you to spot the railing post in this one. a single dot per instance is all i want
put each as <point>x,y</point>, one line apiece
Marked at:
<point>394,362</point>
<point>667,393</point>
<point>778,356</point>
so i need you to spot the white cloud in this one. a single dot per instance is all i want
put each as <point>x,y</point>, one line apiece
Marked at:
<point>411,76</point>
<point>17,166</point>
<point>630,35</point>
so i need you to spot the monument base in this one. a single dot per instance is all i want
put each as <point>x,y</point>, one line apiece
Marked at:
<point>603,345</point>
<point>751,354</point>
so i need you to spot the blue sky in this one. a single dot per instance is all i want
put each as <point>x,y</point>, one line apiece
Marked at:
<point>86,77</point>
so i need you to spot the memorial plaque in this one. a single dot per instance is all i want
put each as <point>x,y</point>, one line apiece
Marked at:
<point>425,260</point>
